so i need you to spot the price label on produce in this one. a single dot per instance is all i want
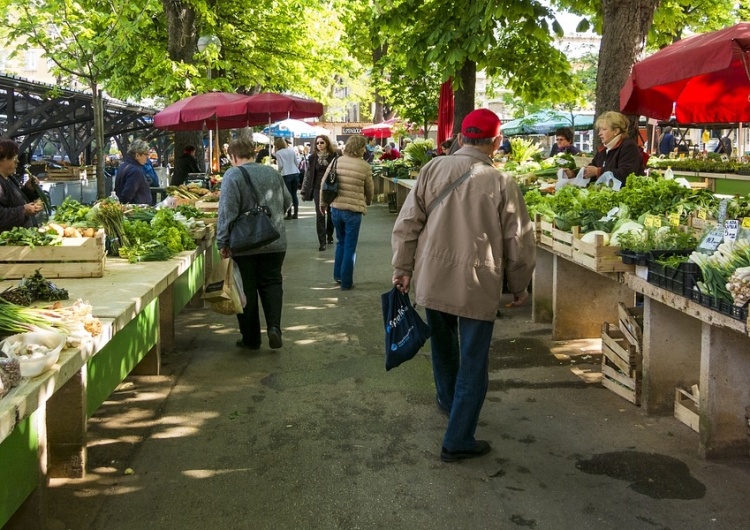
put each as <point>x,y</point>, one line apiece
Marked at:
<point>652,221</point>
<point>712,241</point>
<point>674,219</point>
<point>746,222</point>
<point>731,227</point>
<point>702,215</point>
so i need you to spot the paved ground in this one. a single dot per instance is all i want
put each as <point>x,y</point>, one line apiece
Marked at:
<point>318,435</point>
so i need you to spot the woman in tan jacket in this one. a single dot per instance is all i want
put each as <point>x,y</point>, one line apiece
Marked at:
<point>355,194</point>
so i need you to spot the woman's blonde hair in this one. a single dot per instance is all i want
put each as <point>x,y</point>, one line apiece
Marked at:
<point>614,120</point>
<point>355,145</point>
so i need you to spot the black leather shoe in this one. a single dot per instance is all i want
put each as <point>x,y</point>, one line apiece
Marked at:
<point>322,247</point>
<point>274,338</point>
<point>480,448</point>
<point>330,241</point>
<point>241,344</point>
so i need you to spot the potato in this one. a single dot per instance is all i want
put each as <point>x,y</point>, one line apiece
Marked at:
<point>89,232</point>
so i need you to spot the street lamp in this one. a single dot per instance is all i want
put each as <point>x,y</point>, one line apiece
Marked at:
<point>204,43</point>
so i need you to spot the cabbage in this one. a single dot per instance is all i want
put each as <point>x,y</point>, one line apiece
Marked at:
<point>590,237</point>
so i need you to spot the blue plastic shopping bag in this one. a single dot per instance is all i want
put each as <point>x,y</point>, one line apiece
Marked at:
<point>405,331</point>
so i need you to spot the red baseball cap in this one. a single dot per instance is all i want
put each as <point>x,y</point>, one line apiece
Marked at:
<point>483,120</point>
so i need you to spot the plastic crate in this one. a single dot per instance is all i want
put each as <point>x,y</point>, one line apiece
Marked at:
<point>739,313</point>
<point>679,280</point>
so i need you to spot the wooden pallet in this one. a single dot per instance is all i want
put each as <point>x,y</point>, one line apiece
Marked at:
<point>621,364</point>
<point>686,407</point>
<point>77,257</point>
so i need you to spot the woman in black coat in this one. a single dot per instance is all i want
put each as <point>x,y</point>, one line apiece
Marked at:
<point>323,155</point>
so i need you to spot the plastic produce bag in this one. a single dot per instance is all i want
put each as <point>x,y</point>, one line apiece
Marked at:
<point>608,179</point>
<point>405,331</point>
<point>578,181</point>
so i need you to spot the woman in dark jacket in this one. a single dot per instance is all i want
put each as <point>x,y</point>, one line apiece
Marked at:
<point>18,204</point>
<point>131,184</point>
<point>260,267</point>
<point>323,155</point>
<point>619,153</point>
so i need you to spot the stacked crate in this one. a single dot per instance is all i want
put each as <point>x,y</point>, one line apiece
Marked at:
<point>622,354</point>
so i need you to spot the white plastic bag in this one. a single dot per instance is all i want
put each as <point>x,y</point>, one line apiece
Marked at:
<point>608,179</point>
<point>578,181</point>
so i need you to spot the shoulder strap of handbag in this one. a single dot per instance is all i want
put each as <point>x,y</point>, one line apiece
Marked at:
<point>250,184</point>
<point>452,186</point>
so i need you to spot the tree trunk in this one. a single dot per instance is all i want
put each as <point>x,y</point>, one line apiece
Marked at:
<point>463,98</point>
<point>182,45</point>
<point>378,114</point>
<point>625,27</point>
<point>97,104</point>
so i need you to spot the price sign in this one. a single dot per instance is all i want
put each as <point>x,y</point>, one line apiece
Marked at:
<point>712,241</point>
<point>731,227</point>
<point>652,221</point>
<point>674,219</point>
<point>702,215</point>
<point>746,222</point>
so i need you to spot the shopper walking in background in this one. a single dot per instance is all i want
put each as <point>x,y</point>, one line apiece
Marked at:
<point>260,267</point>
<point>354,176</point>
<point>131,184</point>
<point>287,162</point>
<point>457,247</point>
<point>317,165</point>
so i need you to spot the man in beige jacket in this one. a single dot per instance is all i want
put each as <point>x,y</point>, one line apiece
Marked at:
<point>453,247</point>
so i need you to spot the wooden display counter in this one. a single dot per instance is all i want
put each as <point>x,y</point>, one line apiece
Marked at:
<point>43,421</point>
<point>401,187</point>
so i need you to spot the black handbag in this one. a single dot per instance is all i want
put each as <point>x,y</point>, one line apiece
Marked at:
<point>253,228</point>
<point>330,186</point>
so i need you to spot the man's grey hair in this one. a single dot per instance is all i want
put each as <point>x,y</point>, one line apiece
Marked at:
<point>138,147</point>
<point>477,141</point>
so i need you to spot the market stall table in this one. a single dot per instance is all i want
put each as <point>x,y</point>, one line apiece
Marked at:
<point>686,343</point>
<point>43,421</point>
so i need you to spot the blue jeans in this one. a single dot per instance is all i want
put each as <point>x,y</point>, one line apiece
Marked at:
<point>460,364</point>
<point>347,225</point>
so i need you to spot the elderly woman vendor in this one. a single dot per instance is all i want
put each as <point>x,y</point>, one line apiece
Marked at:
<point>18,204</point>
<point>619,153</point>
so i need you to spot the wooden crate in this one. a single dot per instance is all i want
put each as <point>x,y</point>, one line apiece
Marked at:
<point>68,173</point>
<point>621,364</point>
<point>554,239</point>
<point>631,325</point>
<point>77,257</point>
<point>596,256</point>
<point>686,407</point>
<point>207,206</point>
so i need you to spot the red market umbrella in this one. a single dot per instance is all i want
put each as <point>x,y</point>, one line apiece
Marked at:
<point>213,110</point>
<point>268,107</point>
<point>703,79</point>
<point>445,113</point>
<point>379,130</point>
